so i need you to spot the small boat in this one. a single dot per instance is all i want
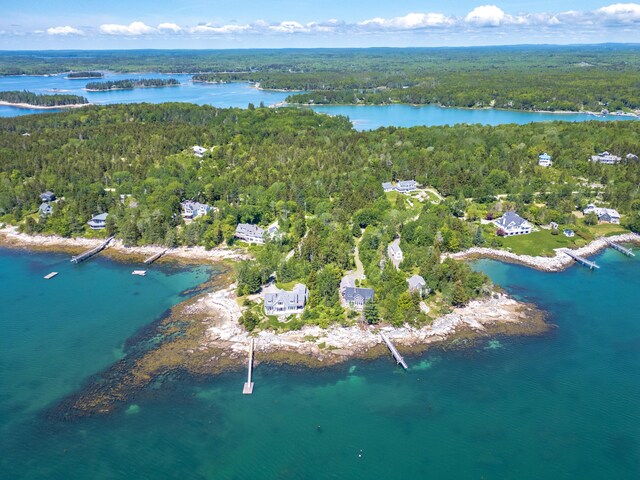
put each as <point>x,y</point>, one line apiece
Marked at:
<point>142,273</point>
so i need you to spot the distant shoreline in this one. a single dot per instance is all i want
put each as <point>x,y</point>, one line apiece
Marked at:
<point>42,107</point>
<point>132,88</point>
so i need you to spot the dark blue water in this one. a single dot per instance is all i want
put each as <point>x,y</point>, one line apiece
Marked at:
<point>563,405</point>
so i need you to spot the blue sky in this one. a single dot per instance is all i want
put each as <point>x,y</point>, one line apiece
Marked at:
<point>86,24</point>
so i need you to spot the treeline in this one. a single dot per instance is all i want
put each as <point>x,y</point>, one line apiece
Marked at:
<point>80,75</point>
<point>41,100</point>
<point>129,84</point>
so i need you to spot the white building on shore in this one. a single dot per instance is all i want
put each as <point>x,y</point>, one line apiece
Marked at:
<point>605,215</point>
<point>284,302</point>
<point>513,224</point>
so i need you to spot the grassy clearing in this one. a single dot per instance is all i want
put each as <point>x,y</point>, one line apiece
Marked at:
<point>541,243</point>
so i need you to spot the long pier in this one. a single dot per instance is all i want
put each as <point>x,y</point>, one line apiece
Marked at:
<point>394,352</point>
<point>155,257</point>
<point>90,253</point>
<point>581,260</point>
<point>248,387</point>
<point>620,248</point>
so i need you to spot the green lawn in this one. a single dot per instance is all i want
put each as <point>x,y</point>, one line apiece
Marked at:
<point>541,243</point>
<point>607,229</point>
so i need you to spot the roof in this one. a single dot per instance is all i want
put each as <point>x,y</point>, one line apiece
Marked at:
<point>394,247</point>
<point>350,293</point>
<point>600,211</point>
<point>292,300</point>
<point>249,230</point>
<point>387,185</point>
<point>544,156</point>
<point>100,217</point>
<point>416,282</point>
<point>511,220</point>
<point>406,183</point>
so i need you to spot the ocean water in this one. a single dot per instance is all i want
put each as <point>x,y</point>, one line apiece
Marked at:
<point>241,94</point>
<point>562,405</point>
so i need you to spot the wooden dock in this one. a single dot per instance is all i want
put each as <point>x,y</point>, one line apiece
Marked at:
<point>396,355</point>
<point>141,273</point>
<point>51,275</point>
<point>248,387</point>
<point>90,253</point>
<point>581,260</point>
<point>620,248</point>
<point>155,257</point>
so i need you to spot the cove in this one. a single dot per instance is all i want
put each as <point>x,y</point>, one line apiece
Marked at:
<point>563,405</point>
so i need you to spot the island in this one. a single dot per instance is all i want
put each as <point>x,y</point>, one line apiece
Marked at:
<point>84,75</point>
<point>325,237</point>
<point>130,84</point>
<point>25,99</point>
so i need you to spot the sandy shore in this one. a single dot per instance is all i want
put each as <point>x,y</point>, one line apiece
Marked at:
<point>559,262</point>
<point>42,107</point>
<point>12,238</point>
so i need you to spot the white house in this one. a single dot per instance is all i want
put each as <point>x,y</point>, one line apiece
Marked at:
<point>283,302</point>
<point>631,157</point>
<point>544,160</point>
<point>513,224</point>
<point>253,233</point>
<point>417,284</point>
<point>607,215</point>
<point>387,186</point>
<point>191,209</point>
<point>45,209</point>
<point>393,250</point>
<point>406,186</point>
<point>98,222</point>
<point>605,158</point>
<point>198,151</point>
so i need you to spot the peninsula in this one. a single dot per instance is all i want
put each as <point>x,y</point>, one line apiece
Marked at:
<point>130,84</point>
<point>24,99</point>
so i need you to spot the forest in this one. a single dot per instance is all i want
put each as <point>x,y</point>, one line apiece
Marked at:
<point>41,99</point>
<point>319,179</point>
<point>129,84</point>
<point>83,75</point>
<point>572,78</point>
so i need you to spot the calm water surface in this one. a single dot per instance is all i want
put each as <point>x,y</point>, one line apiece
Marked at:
<point>241,94</point>
<point>564,405</point>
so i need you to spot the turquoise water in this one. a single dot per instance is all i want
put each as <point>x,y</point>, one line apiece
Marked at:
<point>563,405</point>
<point>241,94</point>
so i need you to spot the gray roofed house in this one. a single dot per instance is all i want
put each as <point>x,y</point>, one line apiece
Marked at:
<point>283,302</point>
<point>406,186</point>
<point>609,215</point>
<point>393,250</point>
<point>45,209</point>
<point>605,158</point>
<point>513,224</point>
<point>250,233</point>
<point>387,186</point>
<point>631,156</point>
<point>47,196</point>
<point>191,209</point>
<point>356,297</point>
<point>98,222</point>
<point>417,284</point>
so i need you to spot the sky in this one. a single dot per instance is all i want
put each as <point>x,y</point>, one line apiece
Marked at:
<point>127,24</point>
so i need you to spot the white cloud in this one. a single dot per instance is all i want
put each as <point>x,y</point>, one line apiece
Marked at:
<point>289,26</point>
<point>486,16</point>
<point>67,30</point>
<point>224,29</point>
<point>410,21</point>
<point>169,27</point>
<point>620,13</point>
<point>133,29</point>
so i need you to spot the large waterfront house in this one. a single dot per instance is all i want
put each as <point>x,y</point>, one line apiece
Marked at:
<point>417,284</point>
<point>544,160</point>
<point>192,209</point>
<point>47,196</point>
<point>393,250</point>
<point>254,234</point>
<point>513,224</point>
<point>198,151</point>
<point>404,186</point>
<point>283,302</point>
<point>356,297</point>
<point>605,215</point>
<point>98,222</point>
<point>605,158</point>
<point>45,209</point>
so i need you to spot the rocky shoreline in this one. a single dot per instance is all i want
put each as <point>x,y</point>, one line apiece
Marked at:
<point>561,261</point>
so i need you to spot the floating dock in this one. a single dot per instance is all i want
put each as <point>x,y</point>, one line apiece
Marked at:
<point>90,253</point>
<point>581,260</point>
<point>155,257</point>
<point>51,275</point>
<point>620,248</point>
<point>396,355</point>
<point>248,387</point>
<point>142,273</point>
